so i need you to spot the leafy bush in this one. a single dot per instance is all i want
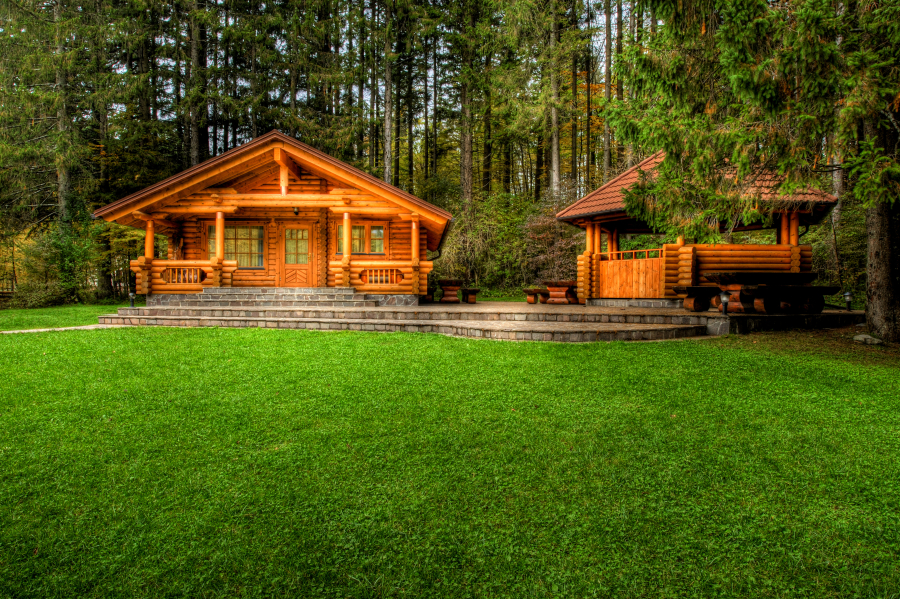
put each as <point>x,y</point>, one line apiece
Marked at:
<point>38,294</point>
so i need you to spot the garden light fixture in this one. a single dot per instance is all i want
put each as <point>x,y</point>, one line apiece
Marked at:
<point>848,297</point>
<point>724,297</point>
<point>131,298</point>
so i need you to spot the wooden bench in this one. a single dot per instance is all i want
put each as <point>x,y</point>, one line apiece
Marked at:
<point>536,294</point>
<point>698,298</point>
<point>763,292</point>
<point>468,295</point>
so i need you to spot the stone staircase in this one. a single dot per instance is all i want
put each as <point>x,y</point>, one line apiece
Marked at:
<point>344,309</point>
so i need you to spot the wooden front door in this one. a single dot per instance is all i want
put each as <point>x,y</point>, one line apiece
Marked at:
<point>296,257</point>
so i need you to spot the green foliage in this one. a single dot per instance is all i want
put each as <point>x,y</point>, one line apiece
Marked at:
<point>267,463</point>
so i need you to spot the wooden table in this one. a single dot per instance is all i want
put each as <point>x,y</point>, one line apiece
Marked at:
<point>450,287</point>
<point>562,292</point>
<point>763,292</point>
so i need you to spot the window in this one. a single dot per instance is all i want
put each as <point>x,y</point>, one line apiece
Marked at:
<point>244,244</point>
<point>296,246</point>
<point>376,239</point>
<point>361,237</point>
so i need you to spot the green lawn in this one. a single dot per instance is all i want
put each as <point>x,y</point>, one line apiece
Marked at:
<point>266,463</point>
<point>60,316</point>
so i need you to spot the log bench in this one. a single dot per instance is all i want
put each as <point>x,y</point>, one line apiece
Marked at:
<point>536,294</point>
<point>468,295</point>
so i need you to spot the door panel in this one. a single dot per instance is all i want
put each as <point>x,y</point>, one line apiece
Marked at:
<point>296,257</point>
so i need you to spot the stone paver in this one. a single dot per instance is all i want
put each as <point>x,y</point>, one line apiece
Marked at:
<point>87,327</point>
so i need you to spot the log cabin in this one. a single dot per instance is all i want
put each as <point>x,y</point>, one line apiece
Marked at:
<point>656,273</point>
<point>276,212</point>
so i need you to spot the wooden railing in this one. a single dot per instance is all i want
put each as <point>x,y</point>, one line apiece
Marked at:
<point>381,276</point>
<point>183,275</point>
<point>631,254</point>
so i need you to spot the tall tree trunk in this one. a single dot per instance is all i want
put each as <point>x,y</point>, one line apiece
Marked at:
<point>397,116</point>
<point>388,95</point>
<point>539,163</point>
<point>488,154</point>
<point>195,87</point>
<point>63,183</point>
<point>883,245</point>
<point>554,102</point>
<point>620,149</point>
<point>410,146</point>
<point>465,136</point>
<point>607,93</point>
<point>425,150</point>
<point>573,146</point>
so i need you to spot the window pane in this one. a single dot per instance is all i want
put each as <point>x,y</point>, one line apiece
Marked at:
<point>339,242</point>
<point>302,251</point>
<point>246,245</point>
<point>376,243</point>
<point>359,239</point>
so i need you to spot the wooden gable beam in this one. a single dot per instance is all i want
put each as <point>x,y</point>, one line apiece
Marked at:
<point>326,171</point>
<point>255,181</point>
<point>200,180</point>
<point>287,167</point>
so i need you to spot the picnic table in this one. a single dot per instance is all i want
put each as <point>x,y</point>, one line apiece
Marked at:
<point>762,292</point>
<point>562,292</point>
<point>449,287</point>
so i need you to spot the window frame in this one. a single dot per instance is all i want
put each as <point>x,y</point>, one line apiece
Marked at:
<point>367,241</point>
<point>234,224</point>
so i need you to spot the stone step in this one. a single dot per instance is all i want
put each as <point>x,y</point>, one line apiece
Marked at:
<point>278,290</point>
<point>246,304</point>
<point>256,310</point>
<point>570,332</point>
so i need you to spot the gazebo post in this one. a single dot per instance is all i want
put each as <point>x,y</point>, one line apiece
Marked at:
<point>345,261</point>
<point>795,228</point>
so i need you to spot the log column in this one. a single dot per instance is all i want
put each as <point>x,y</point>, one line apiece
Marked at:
<point>220,250</point>
<point>794,233</point>
<point>585,270</point>
<point>415,255</point>
<point>784,229</point>
<point>345,261</point>
<point>145,262</point>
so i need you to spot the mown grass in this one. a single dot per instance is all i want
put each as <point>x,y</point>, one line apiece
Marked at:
<point>216,462</point>
<point>58,316</point>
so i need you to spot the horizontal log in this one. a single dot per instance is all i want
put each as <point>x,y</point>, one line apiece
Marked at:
<point>739,260</point>
<point>751,253</point>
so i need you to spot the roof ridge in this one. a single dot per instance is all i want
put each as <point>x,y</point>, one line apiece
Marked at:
<point>250,145</point>
<point>611,182</point>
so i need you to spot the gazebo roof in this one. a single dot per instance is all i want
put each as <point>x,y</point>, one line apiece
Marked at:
<point>610,198</point>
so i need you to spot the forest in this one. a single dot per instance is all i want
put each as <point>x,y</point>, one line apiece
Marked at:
<point>501,111</point>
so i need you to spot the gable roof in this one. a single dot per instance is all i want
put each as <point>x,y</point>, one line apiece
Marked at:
<point>228,165</point>
<point>611,197</point>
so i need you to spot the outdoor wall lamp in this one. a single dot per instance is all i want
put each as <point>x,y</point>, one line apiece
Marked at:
<point>296,211</point>
<point>848,297</point>
<point>131,298</point>
<point>724,297</point>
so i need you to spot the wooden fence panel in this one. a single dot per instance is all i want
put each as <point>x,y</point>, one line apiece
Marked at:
<point>628,279</point>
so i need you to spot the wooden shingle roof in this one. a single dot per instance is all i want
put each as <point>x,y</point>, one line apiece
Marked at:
<point>610,198</point>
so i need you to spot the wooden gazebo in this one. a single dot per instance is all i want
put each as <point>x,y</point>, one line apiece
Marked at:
<point>276,212</point>
<point>656,273</point>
